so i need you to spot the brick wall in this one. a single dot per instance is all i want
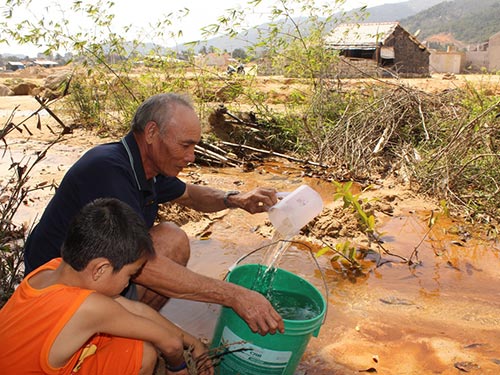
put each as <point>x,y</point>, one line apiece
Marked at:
<point>410,58</point>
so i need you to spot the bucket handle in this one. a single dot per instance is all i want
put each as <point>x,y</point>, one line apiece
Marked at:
<point>323,277</point>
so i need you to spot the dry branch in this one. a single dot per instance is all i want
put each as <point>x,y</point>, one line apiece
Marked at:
<point>213,156</point>
<point>66,129</point>
<point>272,153</point>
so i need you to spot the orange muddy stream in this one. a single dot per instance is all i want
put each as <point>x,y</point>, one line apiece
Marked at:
<point>442,317</point>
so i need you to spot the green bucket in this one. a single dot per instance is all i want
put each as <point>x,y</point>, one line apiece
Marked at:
<point>253,354</point>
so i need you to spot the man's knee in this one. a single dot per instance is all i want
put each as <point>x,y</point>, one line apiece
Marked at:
<point>171,241</point>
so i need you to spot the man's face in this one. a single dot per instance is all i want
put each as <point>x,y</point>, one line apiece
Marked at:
<point>173,149</point>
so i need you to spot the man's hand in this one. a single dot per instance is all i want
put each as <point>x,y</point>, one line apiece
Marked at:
<point>258,313</point>
<point>257,200</point>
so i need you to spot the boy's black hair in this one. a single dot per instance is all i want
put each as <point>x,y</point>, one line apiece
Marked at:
<point>106,228</point>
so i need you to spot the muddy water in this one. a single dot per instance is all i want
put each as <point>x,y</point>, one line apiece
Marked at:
<point>442,317</point>
<point>428,320</point>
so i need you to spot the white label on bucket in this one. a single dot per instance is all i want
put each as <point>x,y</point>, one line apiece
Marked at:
<point>275,362</point>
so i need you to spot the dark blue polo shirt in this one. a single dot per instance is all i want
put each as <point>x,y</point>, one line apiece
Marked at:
<point>112,170</point>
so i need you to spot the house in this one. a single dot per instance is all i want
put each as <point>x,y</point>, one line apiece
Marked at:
<point>494,53</point>
<point>45,63</point>
<point>162,61</point>
<point>14,65</point>
<point>378,49</point>
<point>216,59</point>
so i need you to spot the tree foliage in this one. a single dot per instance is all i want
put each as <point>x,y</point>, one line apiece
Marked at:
<point>239,53</point>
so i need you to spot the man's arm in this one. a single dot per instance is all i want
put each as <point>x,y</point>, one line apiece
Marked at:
<point>168,278</point>
<point>207,199</point>
<point>180,282</point>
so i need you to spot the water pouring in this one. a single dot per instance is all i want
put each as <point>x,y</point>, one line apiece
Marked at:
<point>294,211</point>
<point>301,305</point>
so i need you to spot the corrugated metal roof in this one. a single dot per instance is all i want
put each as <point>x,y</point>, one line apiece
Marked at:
<point>360,35</point>
<point>45,62</point>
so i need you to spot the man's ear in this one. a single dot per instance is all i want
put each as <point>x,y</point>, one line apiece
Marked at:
<point>150,131</point>
<point>99,267</point>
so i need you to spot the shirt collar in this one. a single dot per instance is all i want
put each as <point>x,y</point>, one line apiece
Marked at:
<point>134,156</point>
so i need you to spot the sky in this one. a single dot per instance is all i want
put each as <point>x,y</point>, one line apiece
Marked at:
<point>141,18</point>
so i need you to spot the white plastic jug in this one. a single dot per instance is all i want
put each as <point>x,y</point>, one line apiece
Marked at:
<point>295,210</point>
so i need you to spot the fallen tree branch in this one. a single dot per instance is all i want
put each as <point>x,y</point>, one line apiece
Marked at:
<point>214,156</point>
<point>66,129</point>
<point>252,126</point>
<point>272,153</point>
<point>462,129</point>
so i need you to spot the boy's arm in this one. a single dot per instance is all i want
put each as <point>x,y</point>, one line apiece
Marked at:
<point>101,314</point>
<point>146,311</point>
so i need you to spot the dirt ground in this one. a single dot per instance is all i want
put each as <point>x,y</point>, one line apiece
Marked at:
<point>393,321</point>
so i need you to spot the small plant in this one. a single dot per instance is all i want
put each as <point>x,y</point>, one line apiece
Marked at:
<point>354,201</point>
<point>344,258</point>
<point>345,253</point>
<point>11,259</point>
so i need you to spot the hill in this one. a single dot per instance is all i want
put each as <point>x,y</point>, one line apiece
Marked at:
<point>469,21</point>
<point>398,11</point>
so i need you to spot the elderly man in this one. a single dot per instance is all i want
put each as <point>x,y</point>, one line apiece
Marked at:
<point>141,170</point>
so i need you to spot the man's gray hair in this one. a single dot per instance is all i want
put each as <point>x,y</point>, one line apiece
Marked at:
<point>158,108</point>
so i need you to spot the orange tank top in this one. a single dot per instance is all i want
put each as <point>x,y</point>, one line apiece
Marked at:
<point>31,320</point>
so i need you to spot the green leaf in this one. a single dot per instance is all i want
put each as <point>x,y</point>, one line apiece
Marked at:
<point>352,253</point>
<point>371,222</point>
<point>432,220</point>
<point>322,251</point>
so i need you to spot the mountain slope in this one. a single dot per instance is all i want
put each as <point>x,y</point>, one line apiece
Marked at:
<point>469,21</point>
<point>398,11</point>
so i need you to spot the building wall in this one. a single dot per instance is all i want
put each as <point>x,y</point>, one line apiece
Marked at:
<point>410,58</point>
<point>351,67</point>
<point>476,60</point>
<point>447,62</point>
<point>494,53</point>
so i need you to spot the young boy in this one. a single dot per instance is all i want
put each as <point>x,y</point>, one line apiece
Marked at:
<point>67,317</point>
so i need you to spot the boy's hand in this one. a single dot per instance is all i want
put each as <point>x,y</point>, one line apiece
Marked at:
<point>198,360</point>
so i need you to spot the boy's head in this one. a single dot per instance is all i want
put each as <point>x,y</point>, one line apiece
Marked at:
<point>107,228</point>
